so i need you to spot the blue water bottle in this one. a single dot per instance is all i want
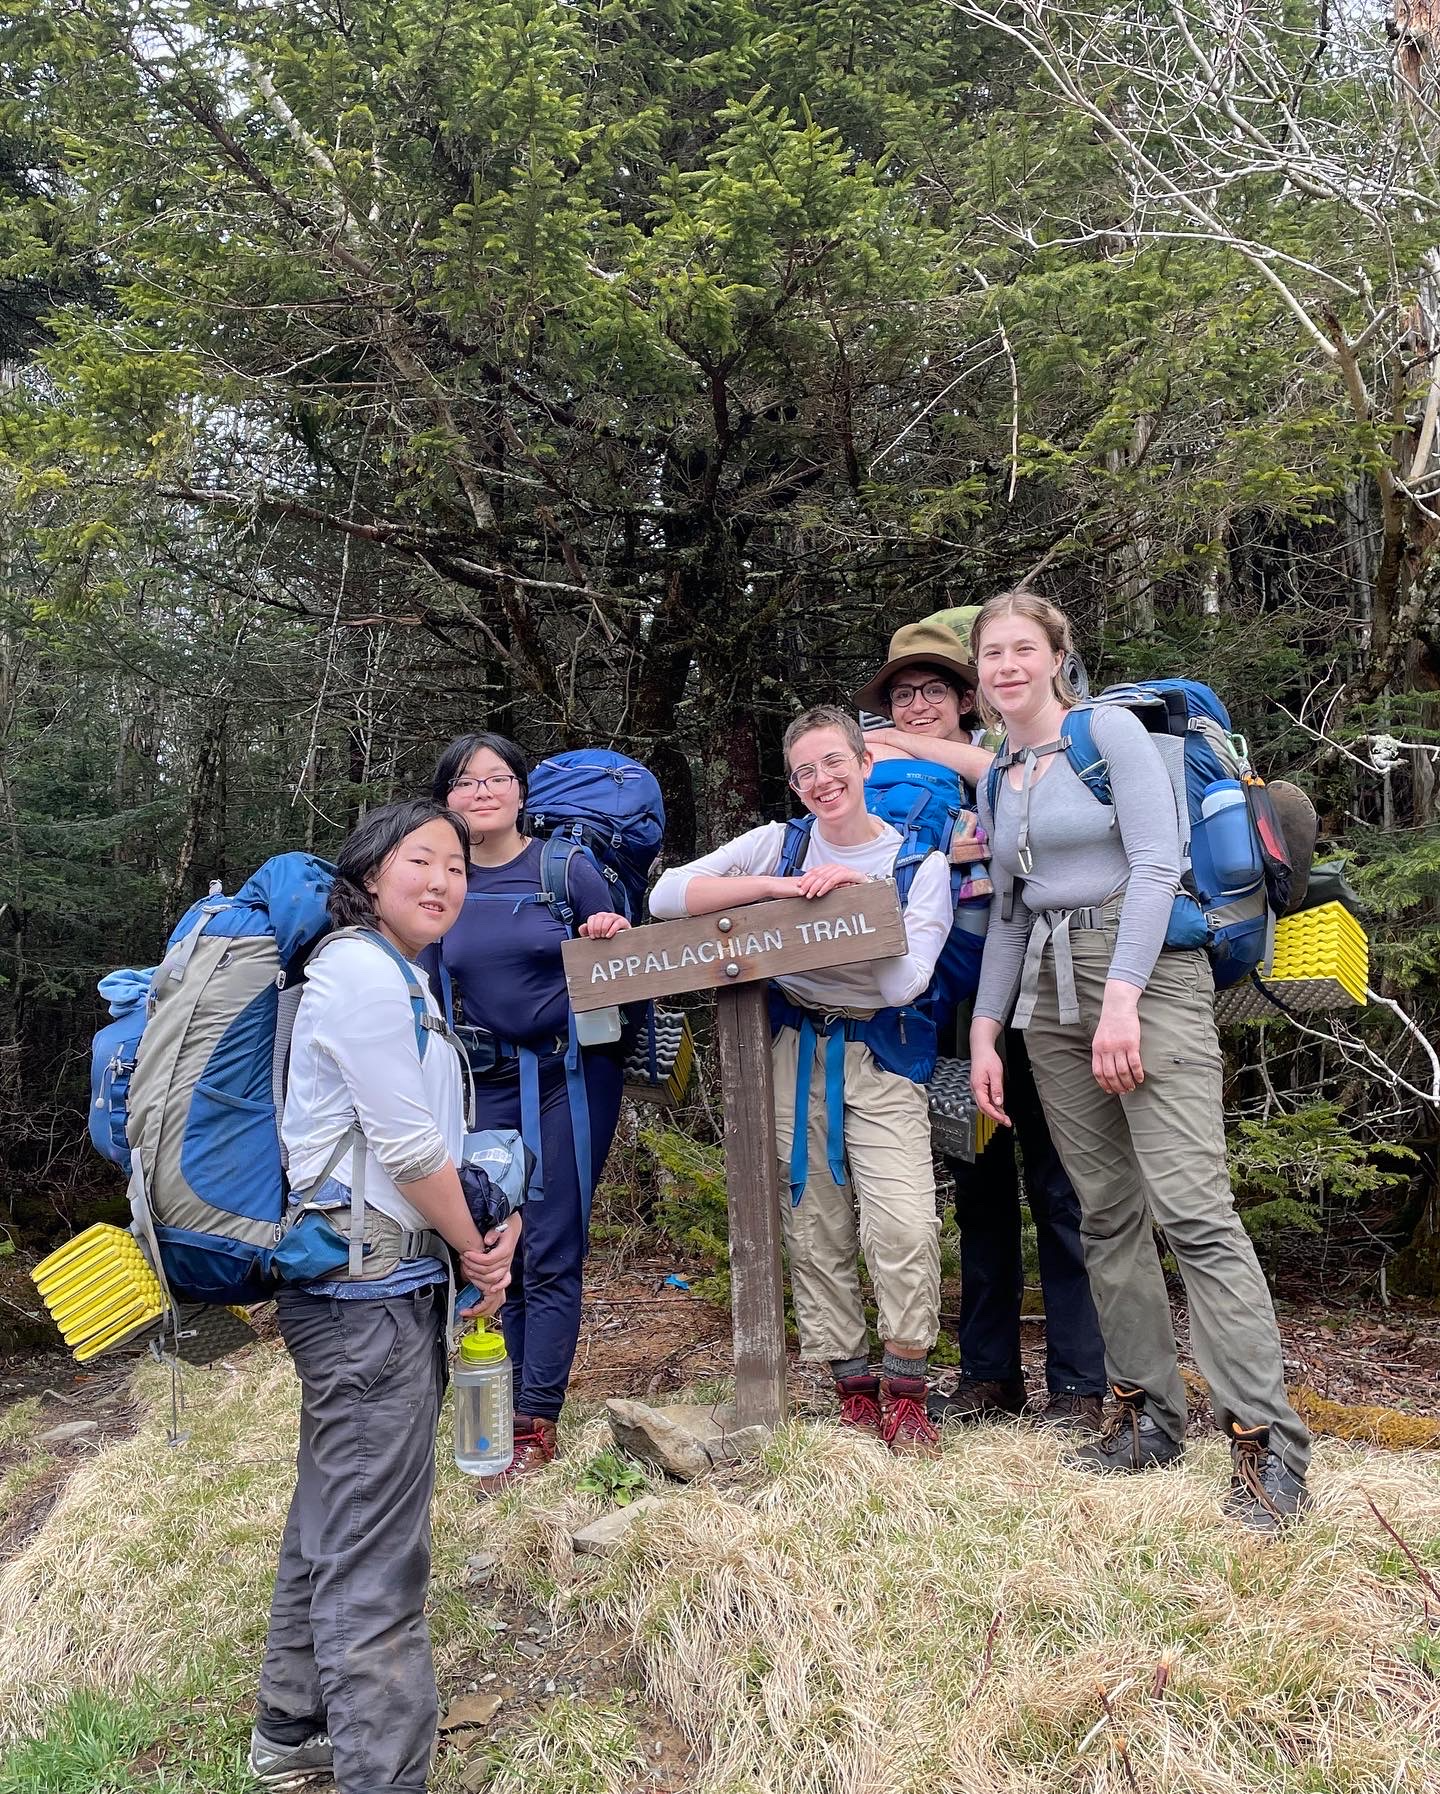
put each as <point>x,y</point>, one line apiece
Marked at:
<point>1226,840</point>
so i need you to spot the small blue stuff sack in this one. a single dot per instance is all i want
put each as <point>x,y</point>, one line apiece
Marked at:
<point>112,1062</point>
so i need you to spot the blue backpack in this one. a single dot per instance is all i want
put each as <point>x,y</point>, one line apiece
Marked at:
<point>604,805</point>
<point>1234,865</point>
<point>903,1041</point>
<point>188,1086</point>
<point>928,807</point>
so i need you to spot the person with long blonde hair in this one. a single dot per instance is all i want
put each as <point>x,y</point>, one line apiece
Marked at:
<point>1120,1027</point>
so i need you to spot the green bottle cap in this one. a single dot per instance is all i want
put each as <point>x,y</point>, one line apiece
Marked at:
<point>481,1346</point>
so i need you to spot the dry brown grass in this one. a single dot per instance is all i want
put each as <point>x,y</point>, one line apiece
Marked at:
<point>833,1622</point>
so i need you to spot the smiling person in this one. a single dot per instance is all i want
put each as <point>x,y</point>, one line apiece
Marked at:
<point>348,1684</point>
<point>1132,1088</point>
<point>927,689</point>
<point>501,962</point>
<point>837,1049</point>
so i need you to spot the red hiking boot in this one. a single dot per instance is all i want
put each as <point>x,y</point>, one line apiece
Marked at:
<point>905,1426</point>
<point>534,1450</point>
<point>860,1403</point>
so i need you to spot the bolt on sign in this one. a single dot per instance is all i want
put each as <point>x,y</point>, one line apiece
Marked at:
<point>734,952</point>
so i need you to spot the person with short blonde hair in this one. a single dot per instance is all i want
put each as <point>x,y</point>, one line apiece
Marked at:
<point>852,1123</point>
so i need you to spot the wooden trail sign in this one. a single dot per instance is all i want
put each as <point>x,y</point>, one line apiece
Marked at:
<point>734,952</point>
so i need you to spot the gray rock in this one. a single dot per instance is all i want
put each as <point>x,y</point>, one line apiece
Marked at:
<point>69,1429</point>
<point>685,1440</point>
<point>471,1710</point>
<point>603,1535</point>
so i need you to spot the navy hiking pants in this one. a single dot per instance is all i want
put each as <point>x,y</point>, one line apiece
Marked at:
<point>541,1316</point>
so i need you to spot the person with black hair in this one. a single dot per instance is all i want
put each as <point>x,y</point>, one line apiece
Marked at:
<point>501,964</point>
<point>374,1121</point>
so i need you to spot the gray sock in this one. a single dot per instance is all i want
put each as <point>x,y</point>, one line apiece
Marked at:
<point>848,1367</point>
<point>892,1366</point>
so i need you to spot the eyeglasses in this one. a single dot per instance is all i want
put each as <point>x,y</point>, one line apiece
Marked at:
<point>498,782</point>
<point>933,691</point>
<point>834,766</point>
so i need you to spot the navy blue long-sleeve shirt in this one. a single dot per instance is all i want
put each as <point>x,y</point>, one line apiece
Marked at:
<point>503,954</point>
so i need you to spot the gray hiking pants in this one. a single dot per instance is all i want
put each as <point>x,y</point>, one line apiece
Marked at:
<point>348,1651</point>
<point>1159,1152</point>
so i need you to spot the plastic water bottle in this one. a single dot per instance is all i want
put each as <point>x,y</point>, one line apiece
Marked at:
<point>484,1412</point>
<point>1226,838</point>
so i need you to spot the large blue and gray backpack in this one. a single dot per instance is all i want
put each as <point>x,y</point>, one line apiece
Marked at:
<point>1235,868</point>
<point>188,1087</point>
<point>608,808</point>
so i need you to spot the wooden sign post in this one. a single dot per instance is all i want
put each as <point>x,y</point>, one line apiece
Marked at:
<point>734,952</point>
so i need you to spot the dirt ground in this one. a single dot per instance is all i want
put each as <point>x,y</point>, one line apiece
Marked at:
<point>643,1336</point>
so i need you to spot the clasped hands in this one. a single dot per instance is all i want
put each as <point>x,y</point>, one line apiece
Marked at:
<point>489,1270</point>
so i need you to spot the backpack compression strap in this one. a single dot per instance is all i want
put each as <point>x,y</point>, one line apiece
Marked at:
<point>913,849</point>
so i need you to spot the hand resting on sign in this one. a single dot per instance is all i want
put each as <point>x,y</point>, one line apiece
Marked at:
<point>819,881</point>
<point>602,925</point>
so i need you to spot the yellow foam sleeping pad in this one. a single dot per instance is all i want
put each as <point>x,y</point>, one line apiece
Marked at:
<point>100,1289</point>
<point>101,1293</point>
<point>1322,961</point>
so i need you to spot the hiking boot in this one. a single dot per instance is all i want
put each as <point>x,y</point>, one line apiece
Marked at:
<point>1129,1439</point>
<point>534,1451</point>
<point>1067,1411</point>
<point>905,1426</point>
<point>976,1401</point>
<point>860,1403</point>
<point>276,1764</point>
<point>1264,1496</point>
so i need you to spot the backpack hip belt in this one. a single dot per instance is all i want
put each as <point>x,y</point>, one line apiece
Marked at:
<point>834,1030</point>
<point>378,1243</point>
<point>1052,928</point>
<point>565,1047</point>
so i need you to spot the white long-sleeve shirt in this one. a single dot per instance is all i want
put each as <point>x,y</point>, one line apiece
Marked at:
<point>853,990</point>
<point>353,1057</point>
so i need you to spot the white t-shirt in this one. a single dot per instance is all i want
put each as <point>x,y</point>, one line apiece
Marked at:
<point>353,1056</point>
<point>856,990</point>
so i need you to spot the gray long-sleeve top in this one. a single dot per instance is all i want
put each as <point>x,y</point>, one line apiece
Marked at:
<point>1085,852</point>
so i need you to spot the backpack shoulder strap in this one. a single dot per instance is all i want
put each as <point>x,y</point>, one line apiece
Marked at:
<point>792,848</point>
<point>914,848</point>
<point>425,1023</point>
<point>1086,761</point>
<point>556,853</point>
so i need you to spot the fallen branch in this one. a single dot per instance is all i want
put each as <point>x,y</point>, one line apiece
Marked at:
<point>1427,1582</point>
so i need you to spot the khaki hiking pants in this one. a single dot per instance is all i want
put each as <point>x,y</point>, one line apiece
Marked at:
<point>887,1149</point>
<point>1159,1153</point>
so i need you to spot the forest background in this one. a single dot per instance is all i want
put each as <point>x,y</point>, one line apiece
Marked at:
<point>374,370</point>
